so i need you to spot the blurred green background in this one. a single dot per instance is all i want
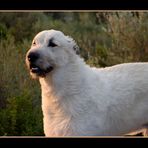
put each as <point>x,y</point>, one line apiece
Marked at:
<point>104,38</point>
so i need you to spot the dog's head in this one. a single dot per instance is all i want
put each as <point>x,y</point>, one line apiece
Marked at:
<point>50,50</point>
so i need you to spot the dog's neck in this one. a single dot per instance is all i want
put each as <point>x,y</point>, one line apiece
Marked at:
<point>65,75</point>
<point>61,85</point>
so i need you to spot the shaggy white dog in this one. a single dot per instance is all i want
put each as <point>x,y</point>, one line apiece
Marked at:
<point>78,100</point>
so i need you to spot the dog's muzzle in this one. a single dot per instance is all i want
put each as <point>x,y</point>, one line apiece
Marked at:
<point>32,58</point>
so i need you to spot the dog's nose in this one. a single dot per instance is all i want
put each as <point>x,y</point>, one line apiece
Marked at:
<point>33,56</point>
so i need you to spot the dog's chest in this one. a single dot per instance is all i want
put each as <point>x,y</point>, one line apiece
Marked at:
<point>56,123</point>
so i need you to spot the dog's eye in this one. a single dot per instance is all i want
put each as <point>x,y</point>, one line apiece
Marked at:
<point>51,44</point>
<point>33,43</point>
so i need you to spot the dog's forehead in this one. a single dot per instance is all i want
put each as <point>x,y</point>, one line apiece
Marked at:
<point>42,36</point>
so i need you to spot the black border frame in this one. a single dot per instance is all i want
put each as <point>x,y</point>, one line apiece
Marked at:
<point>74,141</point>
<point>72,5</point>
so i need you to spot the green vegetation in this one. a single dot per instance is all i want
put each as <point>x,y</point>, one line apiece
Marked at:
<point>104,39</point>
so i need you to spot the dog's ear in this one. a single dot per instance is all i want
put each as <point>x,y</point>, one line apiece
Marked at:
<point>75,46</point>
<point>76,49</point>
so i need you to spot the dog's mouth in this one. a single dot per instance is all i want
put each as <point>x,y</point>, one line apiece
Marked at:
<point>39,71</point>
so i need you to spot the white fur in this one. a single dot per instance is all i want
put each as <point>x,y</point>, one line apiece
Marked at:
<point>78,100</point>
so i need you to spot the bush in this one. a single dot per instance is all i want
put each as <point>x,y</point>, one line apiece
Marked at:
<point>21,117</point>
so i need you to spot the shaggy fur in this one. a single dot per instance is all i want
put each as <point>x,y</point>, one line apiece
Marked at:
<point>78,100</point>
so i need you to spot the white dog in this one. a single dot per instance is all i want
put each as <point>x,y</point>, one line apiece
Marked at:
<point>78,100</point>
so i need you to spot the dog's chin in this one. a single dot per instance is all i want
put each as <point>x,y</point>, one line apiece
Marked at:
<point>37,72</point>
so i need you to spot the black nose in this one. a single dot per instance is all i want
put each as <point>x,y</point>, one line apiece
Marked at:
<point>33,56</point>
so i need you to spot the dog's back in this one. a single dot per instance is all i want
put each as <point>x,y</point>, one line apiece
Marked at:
<point>125,91</point>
